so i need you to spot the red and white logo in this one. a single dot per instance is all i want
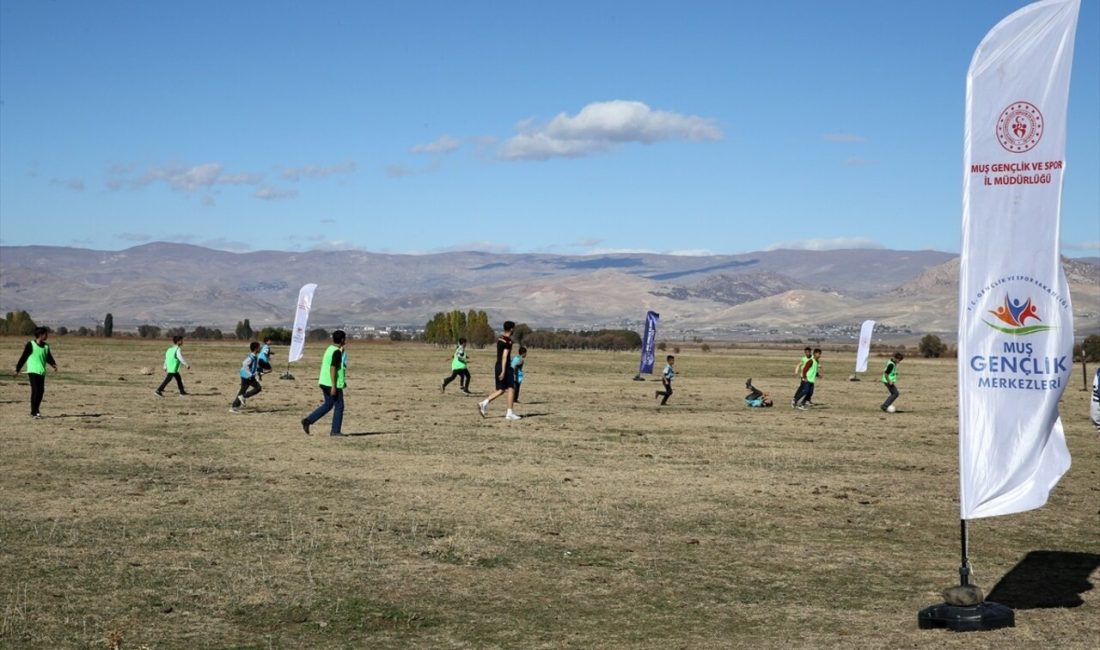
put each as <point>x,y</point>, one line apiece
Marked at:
<point>1020,127</point>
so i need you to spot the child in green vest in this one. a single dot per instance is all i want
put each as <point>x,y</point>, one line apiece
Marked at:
<point>36,355</point>
<point>459,363</point>
<point>173,359</point>
<point>334,365</point>
<point>890,377</point>
<point>810,372</point>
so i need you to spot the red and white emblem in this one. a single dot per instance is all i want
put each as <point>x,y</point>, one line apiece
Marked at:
<point>1020,127</point>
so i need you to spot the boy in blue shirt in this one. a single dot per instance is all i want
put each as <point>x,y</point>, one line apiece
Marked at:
<point>517,369</point>
<point>265,357</point>
<point>250,386</point>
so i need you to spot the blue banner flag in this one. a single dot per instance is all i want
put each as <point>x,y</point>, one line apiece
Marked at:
<point>649,343</point>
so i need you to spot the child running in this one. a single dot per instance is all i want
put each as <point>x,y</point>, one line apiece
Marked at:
<point>890,377</point>
<point>517,370</point>
<point>505,380</point>
<point>250,386</point>
<point>666,379</point>
<point>810,371</point>
<point>459,363</point>
<point>798,371</point>
<point>36,355</point>
<point>265,357</point>
<point>173,359</point>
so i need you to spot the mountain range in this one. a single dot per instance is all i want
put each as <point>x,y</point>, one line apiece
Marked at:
<point>767,294</point>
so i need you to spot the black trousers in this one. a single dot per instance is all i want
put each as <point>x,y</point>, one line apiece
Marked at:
<point>465,381</point>
<point>893,396</point>
<point>38,391</point>
<point>249,388</point>
<point>168,378</point>
<point>667,394</point>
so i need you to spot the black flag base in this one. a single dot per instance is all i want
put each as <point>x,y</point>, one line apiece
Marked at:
<point>287,375</point>
<point>639,377</point>
<point>983,616</point>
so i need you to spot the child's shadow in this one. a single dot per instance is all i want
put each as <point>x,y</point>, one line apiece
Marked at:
<point>370,433</point>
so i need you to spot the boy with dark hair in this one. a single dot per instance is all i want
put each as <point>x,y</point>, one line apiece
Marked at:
<point>666,379</point>
<point>173,359</point>
<point>250,386</point>
<point>810,371</point>
<point>756,397</point>
<point>890,377</point>
<point>798,370</point>
<point>265,357</point>
<point>505,380</point>
<point>332,381</point>
<point>517,370</point>
<point>36,355</point>
<point>459,363</point>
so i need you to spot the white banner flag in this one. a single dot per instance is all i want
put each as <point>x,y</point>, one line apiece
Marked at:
<point>1015,317</point>
<point>864,349</point>
<point>301,317</point>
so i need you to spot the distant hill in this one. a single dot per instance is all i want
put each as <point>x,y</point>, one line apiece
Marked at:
<point>754,294</point>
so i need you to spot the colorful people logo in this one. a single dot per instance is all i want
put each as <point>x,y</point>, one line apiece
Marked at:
<point>1016,314</point>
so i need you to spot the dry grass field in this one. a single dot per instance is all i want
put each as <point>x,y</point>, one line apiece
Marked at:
<point>598,521</point>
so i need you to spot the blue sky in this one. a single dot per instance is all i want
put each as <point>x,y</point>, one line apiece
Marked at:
<point>564,127</point>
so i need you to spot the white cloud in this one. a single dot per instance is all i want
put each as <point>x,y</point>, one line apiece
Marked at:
<point>74,184</point>
<point>268,193</point>
<point>399,171</point>
<point>318,171</point>
<point>843,137</point>
<point>691,252</point>
<point>836,243</point>
<point>601,127</point>
<point>475,246</point>
<point>179,178</point>
<point>1083,246</point>
<point>444,144</point>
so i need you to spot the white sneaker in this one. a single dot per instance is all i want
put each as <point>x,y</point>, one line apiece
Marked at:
<point>512,416</point>
<point>483,409</point>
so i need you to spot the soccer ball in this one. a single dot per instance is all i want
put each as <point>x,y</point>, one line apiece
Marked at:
<point>890,409</point>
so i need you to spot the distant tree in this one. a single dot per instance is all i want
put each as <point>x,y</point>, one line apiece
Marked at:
<point>108,325</point>
<point>676,349</point>
<point>318,335</point>
<point>148,331</point>
<point>17,323</point>
<point>396,335</point>
<point>62,331</point>
<point>83,331</point>
<point>1090,348</point>
<point>276,334</point>
<point>662,346</point>
<point>522,330</point>
<point>244,330</point>
<point>931,346</point>
<point>175,331</point>
<point>206,333</point>
<point>705,347</point>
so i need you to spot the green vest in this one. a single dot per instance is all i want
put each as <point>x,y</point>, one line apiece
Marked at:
<point>459,362</point>
<point>890,374</point>
<point>171,361</point>
<point>326,377</point>
<point>811,374</point>
<point>36,363</point>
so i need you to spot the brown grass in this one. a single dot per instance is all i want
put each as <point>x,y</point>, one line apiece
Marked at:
<point>599,521</point>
